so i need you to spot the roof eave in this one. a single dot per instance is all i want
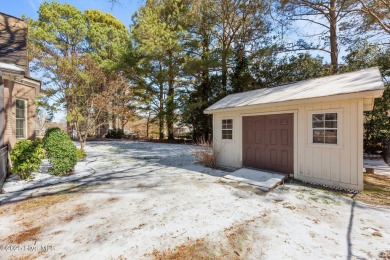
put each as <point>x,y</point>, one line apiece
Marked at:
<point>23,79</point>
<point>339,97</point>
<point>17,72</point>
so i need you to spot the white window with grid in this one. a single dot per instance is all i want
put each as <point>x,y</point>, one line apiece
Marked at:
<point>21,118</point>
<point>227,129</point>
<point>325,128</point>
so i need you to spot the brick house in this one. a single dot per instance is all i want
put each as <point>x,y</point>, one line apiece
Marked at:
<point>18,91</point>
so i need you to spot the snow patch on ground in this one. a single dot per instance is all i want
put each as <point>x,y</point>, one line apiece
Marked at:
<point>40,179</point>
<point>148,196</point>
<point>379,165</point>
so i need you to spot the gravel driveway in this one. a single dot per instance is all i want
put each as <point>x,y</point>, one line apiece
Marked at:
<point>149,200</point>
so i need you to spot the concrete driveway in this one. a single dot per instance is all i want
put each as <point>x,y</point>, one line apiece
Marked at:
<point>149,200</point>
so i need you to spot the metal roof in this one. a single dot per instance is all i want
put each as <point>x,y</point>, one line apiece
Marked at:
<point>346,83</point>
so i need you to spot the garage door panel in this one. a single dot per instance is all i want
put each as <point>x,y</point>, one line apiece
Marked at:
<point>284,158</point>
<point>247,156</point>
<point>268,142</point>
<point>258,137</point>
<point>257,154</point>
<point>284,137</point>
<point>273,156</point>
<point>248,136</point>
<point>273,136</point>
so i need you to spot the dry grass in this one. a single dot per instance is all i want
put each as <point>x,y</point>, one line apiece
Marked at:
<point>197,249</point>
<point>376,190</point>
<point>205,155</point>
<point>23,257</point>
<point>143,185</point>
<point>30,216</point>
<point>30,234</point>
<point>26,211</point>
<point>234,244</point>
<point>58,232</point>
<point>78,211</point>
<point>31,205</point>
<point>385,255</point>
<point>112,199</point>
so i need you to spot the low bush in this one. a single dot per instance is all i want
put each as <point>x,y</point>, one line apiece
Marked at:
<point>115,134</point>
<point>80,154</point>
<point>205,155</point>
<point>26,157</point>
<point>60,151</point>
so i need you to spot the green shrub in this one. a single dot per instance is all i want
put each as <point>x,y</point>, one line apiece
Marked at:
<point>115,134</point>
<point>26,157</point>
<point>80,154</point>
<point>60,151</point>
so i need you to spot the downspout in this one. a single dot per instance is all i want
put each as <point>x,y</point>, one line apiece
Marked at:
<point>4,165</point>
<point>2,113</point>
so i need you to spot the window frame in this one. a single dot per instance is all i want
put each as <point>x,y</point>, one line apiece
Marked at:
<point>25,118</point>
<point>227,129</point>
<point>311,142</point>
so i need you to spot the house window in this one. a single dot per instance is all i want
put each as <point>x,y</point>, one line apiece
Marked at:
<point>324,128</point>
<point>21,126</point>
<point>227,129</point>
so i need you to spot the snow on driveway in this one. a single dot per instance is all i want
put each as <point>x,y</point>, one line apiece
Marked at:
<point>149,197</point>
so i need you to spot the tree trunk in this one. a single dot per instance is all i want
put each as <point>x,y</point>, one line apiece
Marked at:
<point>161,108</point>
<point>82,138</point>
<point>205,88</point>
<point>123,124</point>
<point>69,128</point>
<point>82,144</point>
<point>224,70</point>
<point>170,114</point>
<point>201,123</point>
<point>68,100</point>
<point>113,118</point>
<point>103,121</point>
<point>334,52</point>
<point>147,125</point>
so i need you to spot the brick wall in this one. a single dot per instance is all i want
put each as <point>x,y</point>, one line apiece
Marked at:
<point>13,91</point>
<point>13,41</point>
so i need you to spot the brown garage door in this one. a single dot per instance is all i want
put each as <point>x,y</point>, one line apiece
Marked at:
<point>268,142</point>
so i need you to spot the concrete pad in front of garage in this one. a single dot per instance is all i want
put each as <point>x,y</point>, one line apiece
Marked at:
<point>263,180</point>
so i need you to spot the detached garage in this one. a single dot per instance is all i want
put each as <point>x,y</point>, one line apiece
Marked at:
<point>311,129</point>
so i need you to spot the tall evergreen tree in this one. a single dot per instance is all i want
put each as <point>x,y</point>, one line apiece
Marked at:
<point>62,39</point>
<point>56,40</point>
<point>106,37</point>
<point>157,32</point>
<point>377,124</point>
<point>200,61</point>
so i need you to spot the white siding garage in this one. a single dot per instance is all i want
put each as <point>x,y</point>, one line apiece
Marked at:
<point>327,127</point>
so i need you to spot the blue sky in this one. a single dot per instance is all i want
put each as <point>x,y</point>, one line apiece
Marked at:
<point>123,10</point>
